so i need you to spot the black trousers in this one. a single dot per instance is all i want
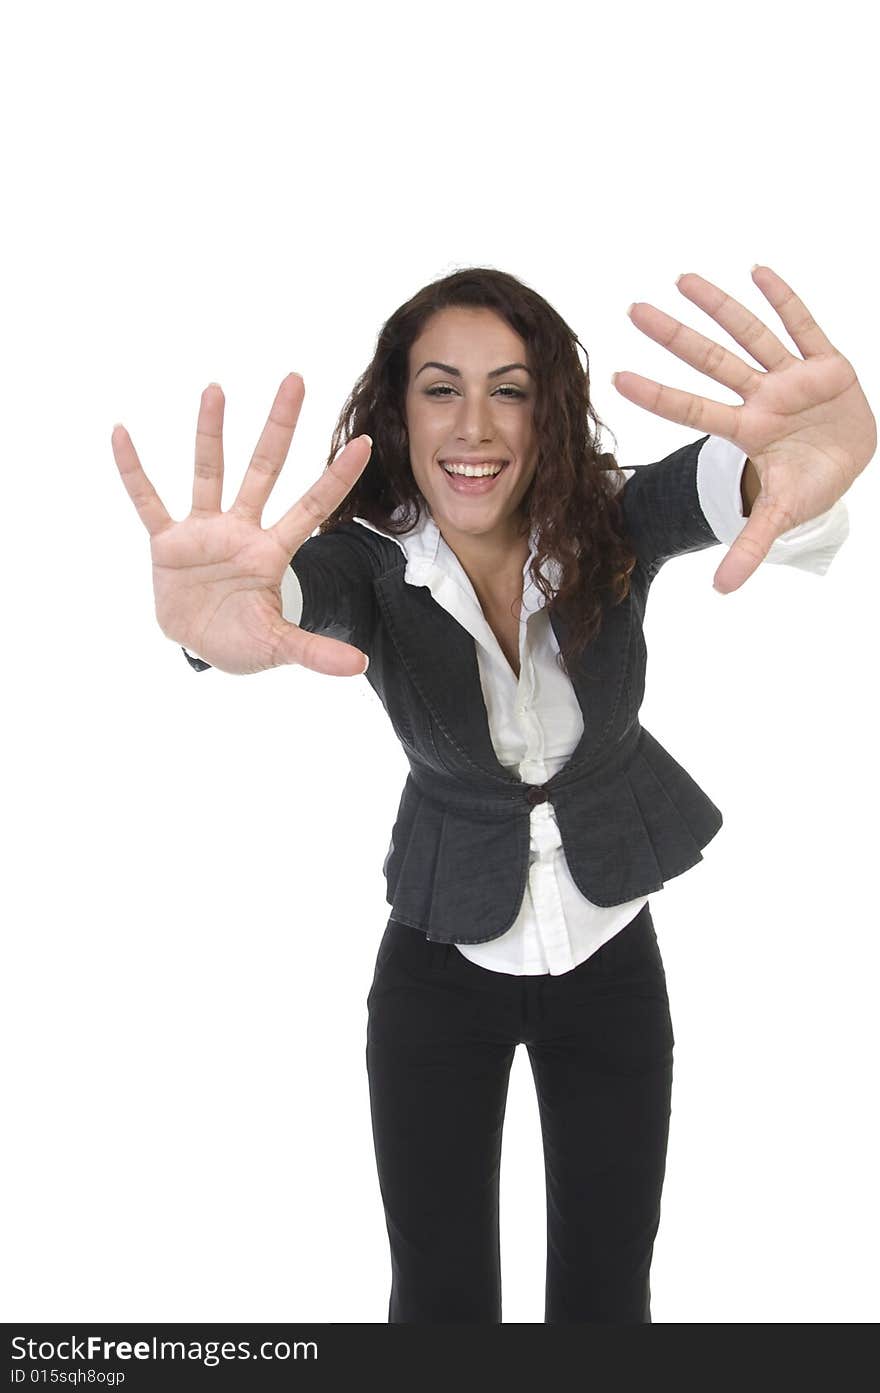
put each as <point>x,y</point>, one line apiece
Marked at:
<point>441,1038</point>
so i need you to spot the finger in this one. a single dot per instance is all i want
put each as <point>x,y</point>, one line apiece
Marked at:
<point>748,330</point>
<point>691,347</point>
<point>707,417</point>
<point>271,451</point>
<point>152,511</point>
<point>799,323</point>
<point>329,656</point>
<point>208,478</point>
<point>336,482</point>
<point>766,522</point>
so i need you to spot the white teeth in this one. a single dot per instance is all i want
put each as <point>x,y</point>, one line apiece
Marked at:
<point>473,471</point>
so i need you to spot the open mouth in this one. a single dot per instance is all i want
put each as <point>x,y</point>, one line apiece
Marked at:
<point>473,483</point>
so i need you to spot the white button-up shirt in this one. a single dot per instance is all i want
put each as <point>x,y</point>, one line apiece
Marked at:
<point>535,720</point>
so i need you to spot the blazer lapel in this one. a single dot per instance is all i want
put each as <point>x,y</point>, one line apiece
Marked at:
<point>440,658</point>
<point>578,754</point>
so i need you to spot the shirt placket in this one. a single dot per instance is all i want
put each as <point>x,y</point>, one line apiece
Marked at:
<point>545,840</point>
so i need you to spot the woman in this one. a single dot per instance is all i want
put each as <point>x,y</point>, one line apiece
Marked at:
<point>493,567</point>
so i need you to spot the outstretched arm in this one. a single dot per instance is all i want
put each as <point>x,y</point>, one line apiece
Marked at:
<point>694,498</point>
<point>805,424</point>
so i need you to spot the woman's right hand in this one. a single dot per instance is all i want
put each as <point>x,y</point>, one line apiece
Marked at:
<point>217,576</point>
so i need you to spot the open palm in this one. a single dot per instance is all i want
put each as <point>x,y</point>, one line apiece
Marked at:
<point>805,422</point>
<point>217,576</point>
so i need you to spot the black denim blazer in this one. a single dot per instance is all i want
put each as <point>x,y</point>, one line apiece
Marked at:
<point>630,817</point>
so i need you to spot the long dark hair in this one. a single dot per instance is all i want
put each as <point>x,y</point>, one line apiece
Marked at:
<point>570,503</point>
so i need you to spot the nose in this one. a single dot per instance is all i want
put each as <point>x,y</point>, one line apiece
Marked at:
<point>475,422</point>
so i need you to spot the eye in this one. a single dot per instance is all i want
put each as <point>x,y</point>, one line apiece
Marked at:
<point>443,391</point>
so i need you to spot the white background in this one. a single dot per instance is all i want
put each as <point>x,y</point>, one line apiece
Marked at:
<point>193,889</point>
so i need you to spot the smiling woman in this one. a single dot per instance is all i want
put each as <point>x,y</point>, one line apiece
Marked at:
<point>474,371</point>
<point>495,566</point>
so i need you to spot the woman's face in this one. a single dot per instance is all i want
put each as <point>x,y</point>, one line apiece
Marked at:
<point>466,397</point>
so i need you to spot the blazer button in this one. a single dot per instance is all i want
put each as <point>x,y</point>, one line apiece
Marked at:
<point>535,794</point>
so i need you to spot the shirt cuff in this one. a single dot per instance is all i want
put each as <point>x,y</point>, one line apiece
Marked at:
<point>811,546</point>
<point>291,597</point>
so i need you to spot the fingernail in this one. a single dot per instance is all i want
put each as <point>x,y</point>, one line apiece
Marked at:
<point>369,440</point>
<point>614,378</point>
<point>366,664</point>
<point>756,266</point>
<point>632,307</point>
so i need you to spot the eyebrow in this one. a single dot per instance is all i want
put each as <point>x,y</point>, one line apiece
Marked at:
<point>496,372</point>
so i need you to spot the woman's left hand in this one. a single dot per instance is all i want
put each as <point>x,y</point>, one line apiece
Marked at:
<point>805,423</point>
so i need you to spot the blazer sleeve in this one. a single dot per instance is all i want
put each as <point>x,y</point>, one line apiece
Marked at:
<point>198,664</point>
<point>661,508</point>
<point>329,586</point>
<point>328,589</point>
<point>692,499</point>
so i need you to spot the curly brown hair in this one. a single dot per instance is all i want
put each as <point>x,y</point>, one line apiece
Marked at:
<point>571,502</point>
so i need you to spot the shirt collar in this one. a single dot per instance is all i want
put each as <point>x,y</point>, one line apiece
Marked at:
<point>429,560</point>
